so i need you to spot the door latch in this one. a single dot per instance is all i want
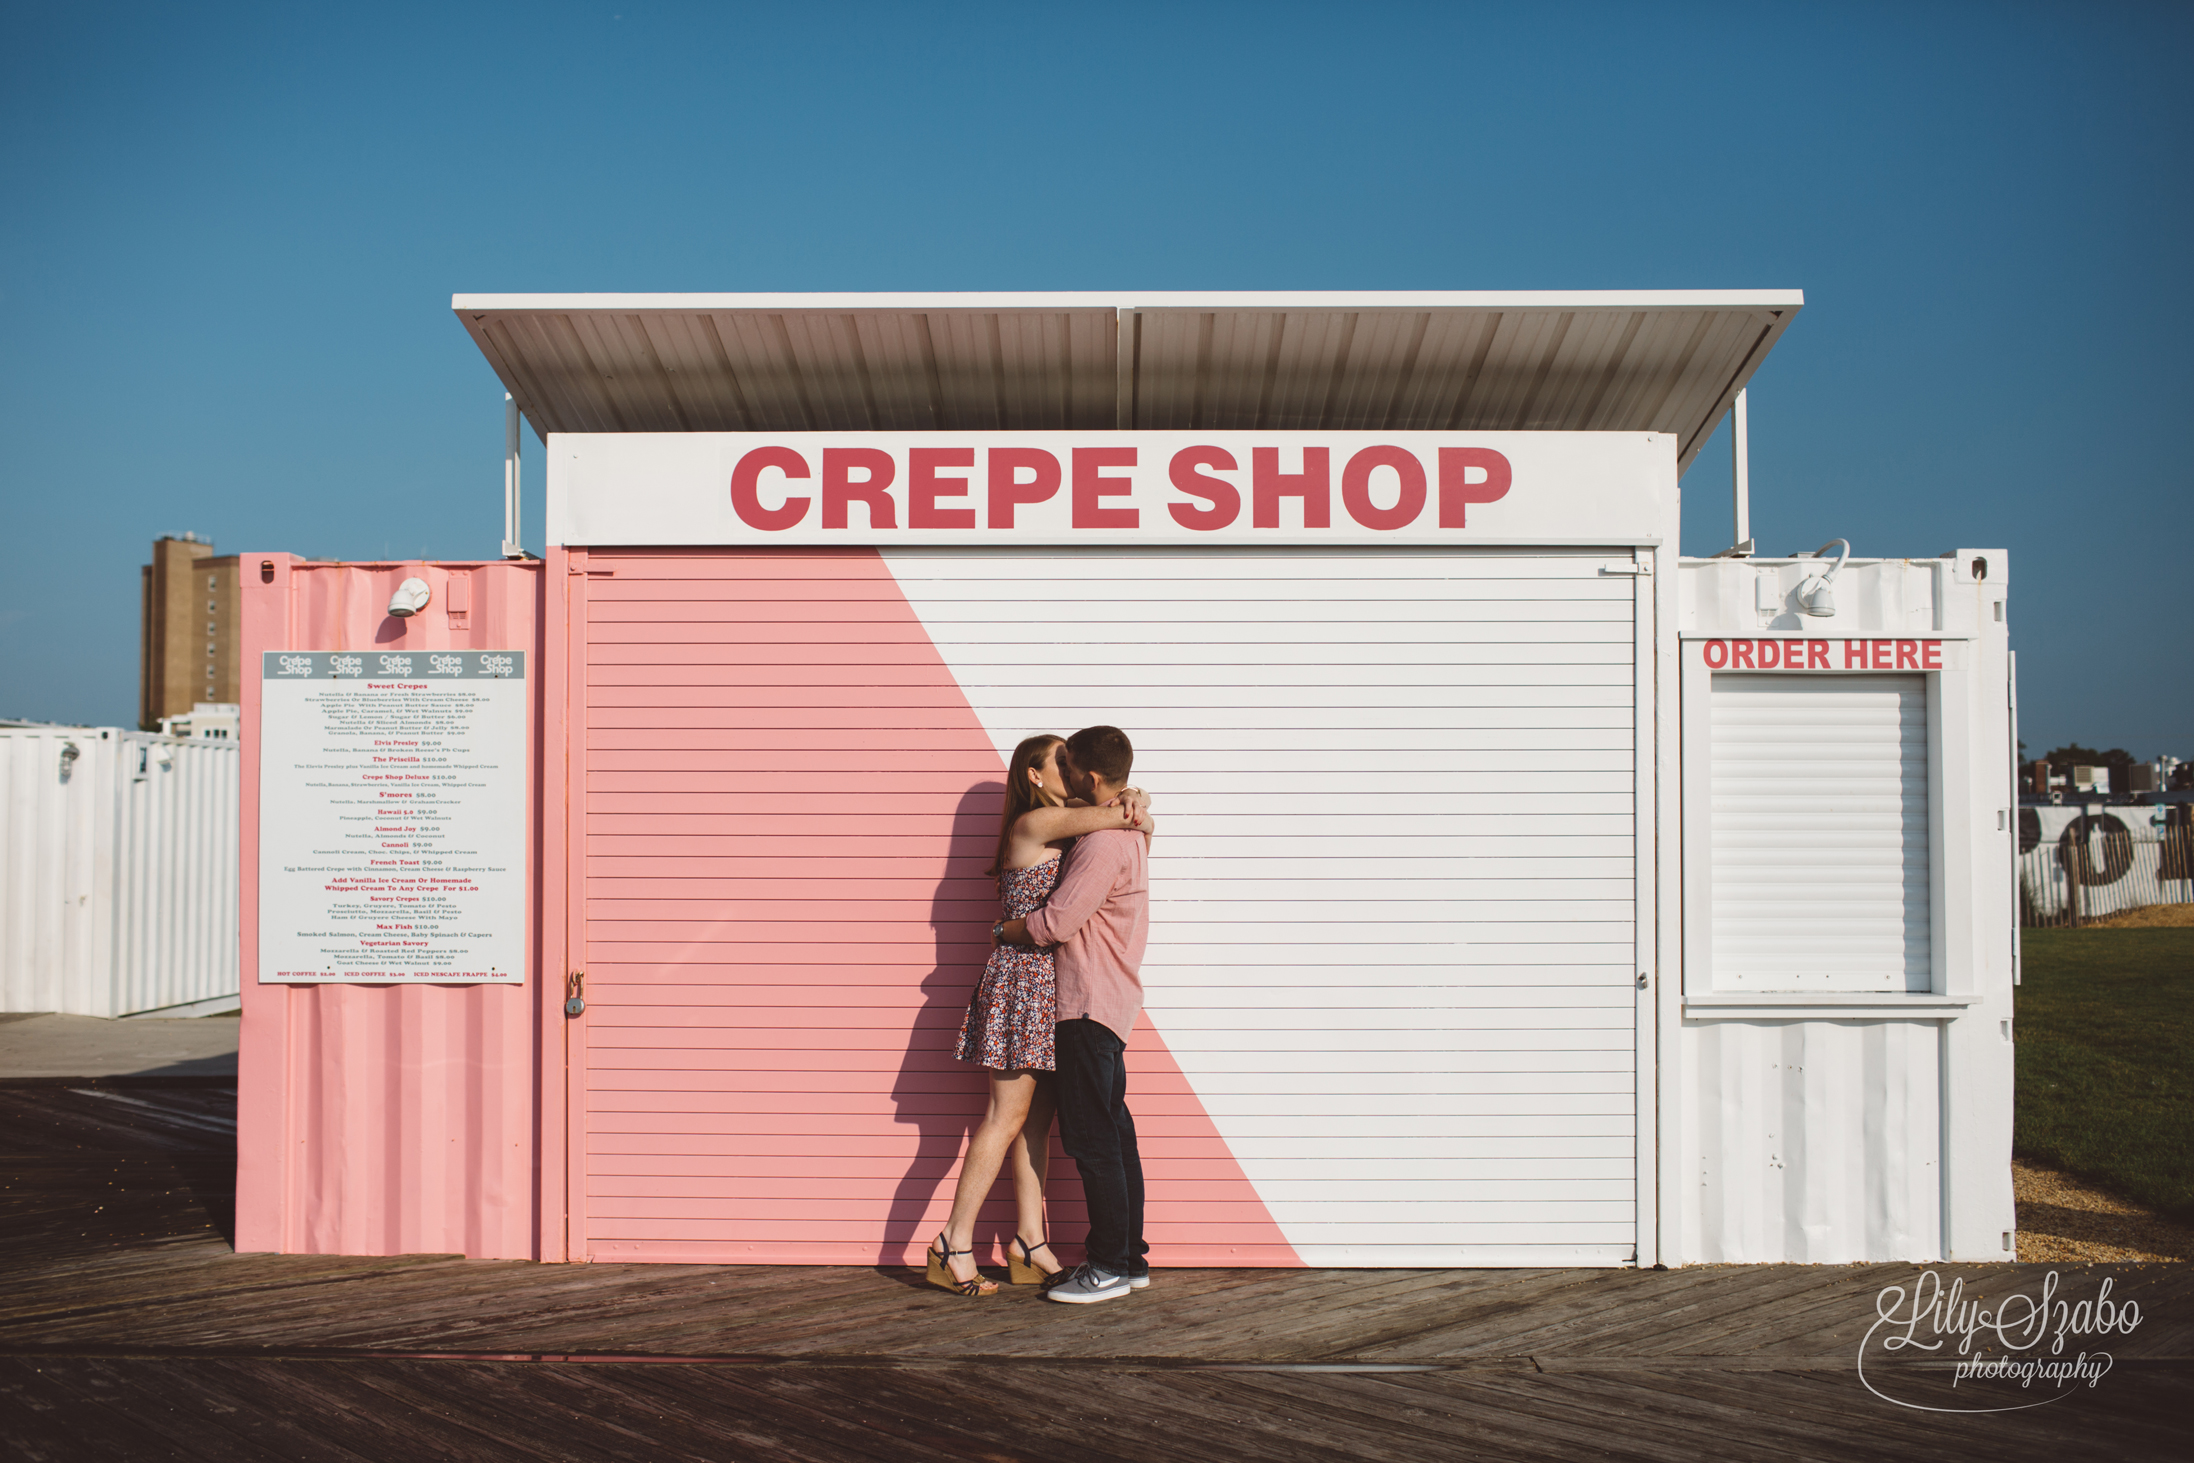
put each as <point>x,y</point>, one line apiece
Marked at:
<point>577,984</point>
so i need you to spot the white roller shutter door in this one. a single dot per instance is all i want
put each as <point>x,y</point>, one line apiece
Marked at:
<point>1394,889</point>
<point>1820,833</point>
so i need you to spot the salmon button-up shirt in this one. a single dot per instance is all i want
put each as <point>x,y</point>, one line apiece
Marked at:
<point>1099,917</point>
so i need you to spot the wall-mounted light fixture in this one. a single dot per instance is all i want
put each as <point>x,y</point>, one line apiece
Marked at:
<point>1814,595</point>
<point>69,753</point>
<point>410,598</point>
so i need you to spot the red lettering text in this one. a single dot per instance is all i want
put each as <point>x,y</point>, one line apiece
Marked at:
<point>1356,488</point>
<point>925,487</point>
<point>1716,654</point>
<point>1816,655</point>
<point>1771,654</point>
<point>1457,493</point>
<point>1268,485</point>
<point>1740,654</point>
<point>1007,488</point>
<point>1091,488</point>
<point>841,487</point>
<point>1931,655</point>
<point>1225,500</point>
<point>1854,654</point>
<point>1881,656</point>
<point>746,501</point>
<point>1908,655</point>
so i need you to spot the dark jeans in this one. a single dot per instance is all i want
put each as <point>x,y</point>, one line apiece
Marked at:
<point>1098,1133</point>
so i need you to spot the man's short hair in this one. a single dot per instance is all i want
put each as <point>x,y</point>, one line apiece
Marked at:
<point>1104,750</point>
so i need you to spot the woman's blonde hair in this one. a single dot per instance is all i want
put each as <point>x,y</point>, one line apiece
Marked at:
<point>1021,794</point>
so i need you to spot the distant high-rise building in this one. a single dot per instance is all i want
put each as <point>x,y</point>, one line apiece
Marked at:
<point>191,627</point>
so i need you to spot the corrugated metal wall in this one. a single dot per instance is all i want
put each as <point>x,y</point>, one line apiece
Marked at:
<point>55,906</point>
<point>378,1120</point>
<point>118,880</point>
<point>1810,1142</point>
<point>175,870</point>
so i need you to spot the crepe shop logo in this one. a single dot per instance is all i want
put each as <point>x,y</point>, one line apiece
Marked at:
<point>1818,655</point>
<point>2040,1344</point>
<point>1381,488</point>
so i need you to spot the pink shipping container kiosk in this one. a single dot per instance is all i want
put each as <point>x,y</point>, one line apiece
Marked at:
<point>1524,894</point>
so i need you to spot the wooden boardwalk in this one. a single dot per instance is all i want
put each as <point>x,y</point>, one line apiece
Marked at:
<point>131,1330</point>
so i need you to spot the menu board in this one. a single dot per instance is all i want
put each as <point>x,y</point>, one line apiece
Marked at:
<point>392,816</point>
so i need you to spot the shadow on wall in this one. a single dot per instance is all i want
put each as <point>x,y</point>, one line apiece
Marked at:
<point>943,1097</point>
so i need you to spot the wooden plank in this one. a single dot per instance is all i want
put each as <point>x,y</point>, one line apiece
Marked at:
<point>112,1252</point>
<point>1494,1418</point>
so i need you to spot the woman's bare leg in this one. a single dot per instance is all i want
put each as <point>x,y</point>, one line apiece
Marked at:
<point>1010,1094</point>
<point>1031,1165</point>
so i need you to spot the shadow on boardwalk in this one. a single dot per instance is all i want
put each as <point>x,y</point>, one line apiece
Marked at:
<point>133,1331</point>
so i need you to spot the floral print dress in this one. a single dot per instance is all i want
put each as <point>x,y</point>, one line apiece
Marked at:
<point>1009,1022</point>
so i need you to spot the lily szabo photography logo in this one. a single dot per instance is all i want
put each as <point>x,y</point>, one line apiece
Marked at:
<point>2026,1350</point>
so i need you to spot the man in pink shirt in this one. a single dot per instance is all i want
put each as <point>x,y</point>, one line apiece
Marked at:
<point>1099,918</point>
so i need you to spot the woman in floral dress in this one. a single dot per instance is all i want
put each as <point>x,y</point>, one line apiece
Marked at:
<point>1010,1021</point>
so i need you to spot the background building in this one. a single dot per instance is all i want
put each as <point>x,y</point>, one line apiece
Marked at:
<point>207,720</point>
<point>187,652</point>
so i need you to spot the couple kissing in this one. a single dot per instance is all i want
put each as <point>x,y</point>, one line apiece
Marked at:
<point>1051,1015</point>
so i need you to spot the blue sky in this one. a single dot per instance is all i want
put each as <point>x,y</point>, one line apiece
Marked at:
<point>230,234</point>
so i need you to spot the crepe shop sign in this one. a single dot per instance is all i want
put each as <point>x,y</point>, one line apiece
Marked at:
<point>1382,487</point>
<point>1111,487</point>
<point>1788,654</point>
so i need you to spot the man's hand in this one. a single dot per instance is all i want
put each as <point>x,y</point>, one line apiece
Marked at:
<point>1013,932</point>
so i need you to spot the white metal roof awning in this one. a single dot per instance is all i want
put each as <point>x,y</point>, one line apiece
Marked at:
<point>1595,360</point>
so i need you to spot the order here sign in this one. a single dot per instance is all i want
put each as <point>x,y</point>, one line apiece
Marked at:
<point>902,488</point>
<point>1814,653</point>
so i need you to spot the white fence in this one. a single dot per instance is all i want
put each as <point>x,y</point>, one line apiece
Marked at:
<point>118,869</point>
<point>2086,863</point>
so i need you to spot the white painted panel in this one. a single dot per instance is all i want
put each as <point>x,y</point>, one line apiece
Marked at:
<point>1393,912</point>
<point>56,868</point>
<point>1450,1257</point>
<point>1487,884</point>
<point>1811,1142</point>
<point>1108,569</point>
<point>668,487</point>
<point>117,876</point>
<point>176,869</point>
<point>1820,833</point>
<point>1433,956</point>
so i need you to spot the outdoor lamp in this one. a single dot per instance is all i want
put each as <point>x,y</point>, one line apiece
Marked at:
<point>1814,596</point>
<point>410,598</point>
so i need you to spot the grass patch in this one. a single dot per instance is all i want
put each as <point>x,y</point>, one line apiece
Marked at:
<point>2106,1060</point>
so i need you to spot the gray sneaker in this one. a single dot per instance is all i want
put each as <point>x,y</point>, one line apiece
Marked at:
<point>1140,1280</point>
<point>1086,1285</point>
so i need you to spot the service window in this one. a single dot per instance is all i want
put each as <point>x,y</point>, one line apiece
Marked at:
<point>1813,828</point>
<point>1819,837</point>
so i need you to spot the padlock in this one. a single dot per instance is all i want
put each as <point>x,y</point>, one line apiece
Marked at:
<point>578,1002</point>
